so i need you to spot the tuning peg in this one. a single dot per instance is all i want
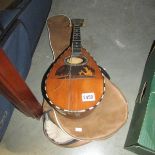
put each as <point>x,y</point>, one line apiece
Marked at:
<point>84,24</point>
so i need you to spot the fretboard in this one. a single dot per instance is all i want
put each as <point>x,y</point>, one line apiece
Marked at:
<point>76,41</point>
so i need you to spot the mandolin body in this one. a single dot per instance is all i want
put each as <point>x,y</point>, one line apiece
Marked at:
<point>73,86</point>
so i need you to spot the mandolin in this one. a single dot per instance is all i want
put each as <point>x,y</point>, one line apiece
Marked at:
<point>74,84</point>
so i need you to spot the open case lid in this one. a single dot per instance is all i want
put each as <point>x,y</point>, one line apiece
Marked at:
<point>14,88</point>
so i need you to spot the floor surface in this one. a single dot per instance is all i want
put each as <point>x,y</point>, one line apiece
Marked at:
<point>119,35</point>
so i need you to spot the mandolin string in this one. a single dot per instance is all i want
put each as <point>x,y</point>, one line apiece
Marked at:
<point>77,32</point>
<point>78,48</point>
<point>70,72</point>
<point>78,39</point>
<point>70,76</point>
<point>73,39</point>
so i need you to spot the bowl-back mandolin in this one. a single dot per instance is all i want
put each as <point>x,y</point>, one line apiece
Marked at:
<point>74,84</point>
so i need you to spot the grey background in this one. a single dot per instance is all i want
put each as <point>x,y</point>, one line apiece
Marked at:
<point>119,35</point>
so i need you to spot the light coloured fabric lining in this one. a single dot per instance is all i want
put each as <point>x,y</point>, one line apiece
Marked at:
<point>54,133</point>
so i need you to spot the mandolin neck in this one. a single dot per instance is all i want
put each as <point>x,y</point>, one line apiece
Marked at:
<point>76,40</point>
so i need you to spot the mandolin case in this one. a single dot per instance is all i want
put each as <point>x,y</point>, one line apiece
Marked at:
<point>106,119</point>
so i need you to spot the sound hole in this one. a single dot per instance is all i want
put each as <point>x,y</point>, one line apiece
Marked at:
<point>76,60</point>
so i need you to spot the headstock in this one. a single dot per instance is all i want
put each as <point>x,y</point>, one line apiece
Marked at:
<point>78,22</point>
